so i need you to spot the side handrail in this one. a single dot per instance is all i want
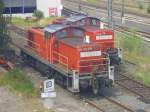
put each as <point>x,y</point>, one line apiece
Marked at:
<point>33,48</point>
<point>91,65</point>
<point>60,60</point>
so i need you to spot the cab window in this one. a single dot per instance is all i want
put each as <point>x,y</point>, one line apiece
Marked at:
<point>60,34</point>
<point>47,34</point>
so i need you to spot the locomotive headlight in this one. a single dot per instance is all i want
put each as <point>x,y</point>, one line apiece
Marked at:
<point>120,53</point>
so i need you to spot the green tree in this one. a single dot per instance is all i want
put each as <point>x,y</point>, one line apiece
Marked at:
<point>4,38</point>
<point>38,14</point>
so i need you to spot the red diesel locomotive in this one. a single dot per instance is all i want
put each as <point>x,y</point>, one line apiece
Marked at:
<point>71,55</point>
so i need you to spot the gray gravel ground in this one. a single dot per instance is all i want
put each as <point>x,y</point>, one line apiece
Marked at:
<point>65,101</point>
<point>11,103</point>
<point>127,98</point>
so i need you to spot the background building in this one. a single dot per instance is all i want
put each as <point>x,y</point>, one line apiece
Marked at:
<point>19,6</point>
<point>48,7</point>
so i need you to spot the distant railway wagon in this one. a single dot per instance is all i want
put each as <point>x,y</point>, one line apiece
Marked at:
<point>72,55</point>
<point>94,28</point>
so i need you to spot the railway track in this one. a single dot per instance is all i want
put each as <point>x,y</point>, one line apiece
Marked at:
<point>67,12</point>
<point>122,29</point>
<point>133,86</point>
<point>107,104</point>
<point>103,6</point>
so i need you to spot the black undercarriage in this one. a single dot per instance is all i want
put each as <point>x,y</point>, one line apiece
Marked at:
<point>64,80</point>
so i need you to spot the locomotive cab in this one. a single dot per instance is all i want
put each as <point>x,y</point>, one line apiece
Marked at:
<point>105,38</point>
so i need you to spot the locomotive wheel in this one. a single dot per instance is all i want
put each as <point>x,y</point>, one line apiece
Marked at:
<point>95,87</point>
<point>50,74</point>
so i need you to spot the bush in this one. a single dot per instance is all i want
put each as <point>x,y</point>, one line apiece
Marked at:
<point>38,14</point>
<point>140,6</point>
<point>148,9</point>
<point>18,81</point>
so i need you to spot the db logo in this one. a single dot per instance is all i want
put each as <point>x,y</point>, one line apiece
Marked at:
<point>49,85</point>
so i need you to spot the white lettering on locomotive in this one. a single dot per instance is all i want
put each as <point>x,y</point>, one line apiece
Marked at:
<point>86,48</point>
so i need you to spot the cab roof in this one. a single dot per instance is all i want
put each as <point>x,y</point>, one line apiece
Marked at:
<point>52,28</point>
<point>76,18</point>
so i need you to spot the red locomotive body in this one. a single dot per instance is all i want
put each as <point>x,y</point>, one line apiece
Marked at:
<point>74,56</point>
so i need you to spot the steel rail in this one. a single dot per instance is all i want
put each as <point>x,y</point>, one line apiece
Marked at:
<point>95,105</point>
<point>135,87</point>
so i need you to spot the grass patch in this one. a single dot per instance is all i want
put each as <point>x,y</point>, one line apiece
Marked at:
<point>134,51</point>
<point>20,22</point>
<point>46,21</point>
<point>18,81</point>
<point>92,1</point>
<point>31,22</point>
<point>143,76</point>
<point>132,42</point>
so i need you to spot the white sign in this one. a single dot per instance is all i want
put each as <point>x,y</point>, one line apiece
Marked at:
<point>90,53</point>
<point>111,73</point>
<point>103,37</point>
<point>49,85</point>
<point>48,95</point>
